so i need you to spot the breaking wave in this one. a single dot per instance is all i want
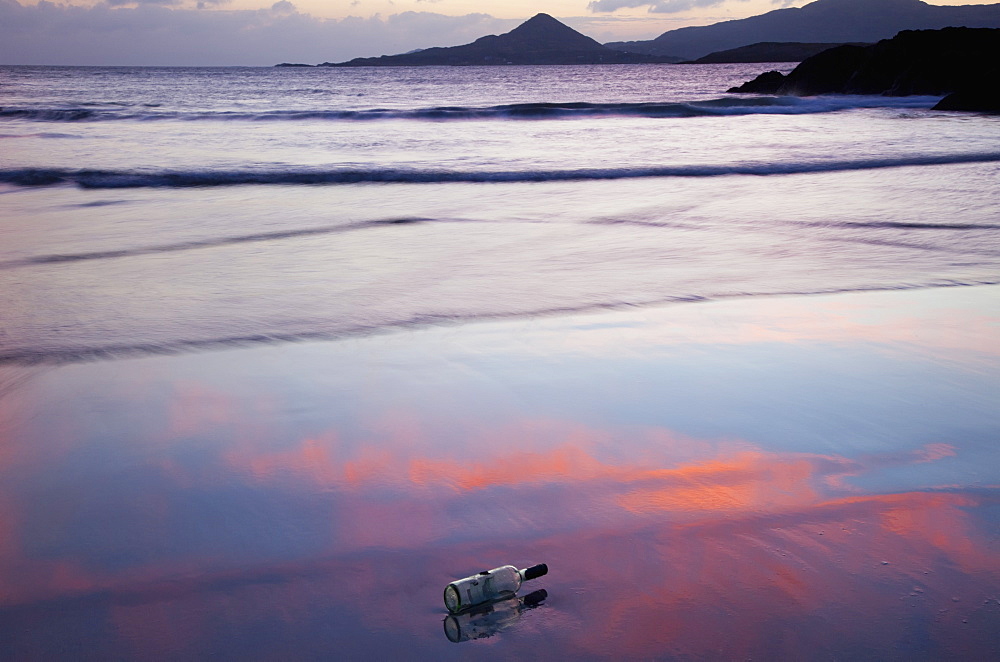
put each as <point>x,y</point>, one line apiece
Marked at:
<point>119,179</point>
<point>516,111</point>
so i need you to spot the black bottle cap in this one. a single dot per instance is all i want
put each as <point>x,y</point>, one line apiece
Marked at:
<point>536,571</point>
<point>535,598</point>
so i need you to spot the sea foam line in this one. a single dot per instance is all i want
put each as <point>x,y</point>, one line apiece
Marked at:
<point>515,111</point>
<point>120,179</point>
<point>295,233</point>
<point>61,258</point>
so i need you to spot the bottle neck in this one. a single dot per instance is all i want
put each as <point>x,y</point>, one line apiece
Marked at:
<point>533,572</point>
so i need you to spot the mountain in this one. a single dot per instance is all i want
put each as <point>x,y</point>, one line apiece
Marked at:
<point>767,51</point>
<point>821,21</point>
<point>539,40</point>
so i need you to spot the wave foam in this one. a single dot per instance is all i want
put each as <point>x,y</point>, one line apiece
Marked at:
<point>117,179</point>
<point>517,111</point>
<point>210,242</point>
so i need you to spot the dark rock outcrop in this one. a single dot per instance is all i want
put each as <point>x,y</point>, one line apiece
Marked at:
<point>768,82</point>
<point>539,40</point>
<point>767,51</point>
<point>840,21</point>
<point>986,100</point>
<point>931,62</point>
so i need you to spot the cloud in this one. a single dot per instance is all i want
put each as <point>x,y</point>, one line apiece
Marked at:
<point>121,3</point>
<point>655,6</point>
<point>599,6</point>
<point>149,33</point>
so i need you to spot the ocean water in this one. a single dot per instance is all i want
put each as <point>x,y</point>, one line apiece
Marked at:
<point>284,351</point>
<point>171,209</point>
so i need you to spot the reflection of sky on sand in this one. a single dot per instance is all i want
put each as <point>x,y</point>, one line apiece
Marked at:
<point>945,322</point>
<point>754,493</point>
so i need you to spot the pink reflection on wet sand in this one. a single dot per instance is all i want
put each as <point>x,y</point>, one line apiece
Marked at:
<point>707,557</point>
<point>660,544</point>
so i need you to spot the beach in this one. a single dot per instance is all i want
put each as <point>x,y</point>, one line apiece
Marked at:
<point>726,479</point>
<point>285,351</point>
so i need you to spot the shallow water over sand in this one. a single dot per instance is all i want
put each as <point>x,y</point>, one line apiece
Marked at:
<point>166,210</point>
<point>775,478</point>
<point>420,323</point>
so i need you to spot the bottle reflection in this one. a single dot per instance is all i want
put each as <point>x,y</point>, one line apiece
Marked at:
<point>490,619</point>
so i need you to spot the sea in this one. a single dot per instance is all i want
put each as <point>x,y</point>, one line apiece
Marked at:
<point>285,351</point>
<point>176,209</point>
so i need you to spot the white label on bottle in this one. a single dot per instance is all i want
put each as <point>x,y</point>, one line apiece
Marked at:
<point>474,590</point>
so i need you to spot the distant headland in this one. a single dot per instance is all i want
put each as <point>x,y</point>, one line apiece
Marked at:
<point>539,40</point>
<point>822,21</point>
<point>783,35</point>
<point>768,51</point>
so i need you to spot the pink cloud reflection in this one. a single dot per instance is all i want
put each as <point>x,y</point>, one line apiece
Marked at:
<point>702,556</point>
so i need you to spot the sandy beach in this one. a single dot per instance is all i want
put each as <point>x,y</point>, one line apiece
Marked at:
<point>285,351</point>
<point>739,479</point>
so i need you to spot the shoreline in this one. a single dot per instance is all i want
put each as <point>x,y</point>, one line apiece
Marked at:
<point>182,347</point>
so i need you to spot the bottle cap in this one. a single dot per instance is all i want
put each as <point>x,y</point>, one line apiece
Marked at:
<point>536,571</point>
<point>535,598</point>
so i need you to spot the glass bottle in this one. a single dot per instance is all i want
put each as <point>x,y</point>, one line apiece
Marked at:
<point>488,620</point>
<point>488,585</point>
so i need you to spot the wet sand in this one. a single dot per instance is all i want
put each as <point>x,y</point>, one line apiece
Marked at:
<point>777,478</point>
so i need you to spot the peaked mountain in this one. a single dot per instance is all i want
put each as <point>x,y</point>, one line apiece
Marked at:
<point>820,21</point>
<point>539,40</point>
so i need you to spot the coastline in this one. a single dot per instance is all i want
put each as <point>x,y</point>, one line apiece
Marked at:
<point>829,460</point>
<point>285,351</point>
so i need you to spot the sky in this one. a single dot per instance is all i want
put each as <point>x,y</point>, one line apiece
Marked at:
<point>265,32</point>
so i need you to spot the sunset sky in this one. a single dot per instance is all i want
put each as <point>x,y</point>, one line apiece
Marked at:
<point>262,32</point>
